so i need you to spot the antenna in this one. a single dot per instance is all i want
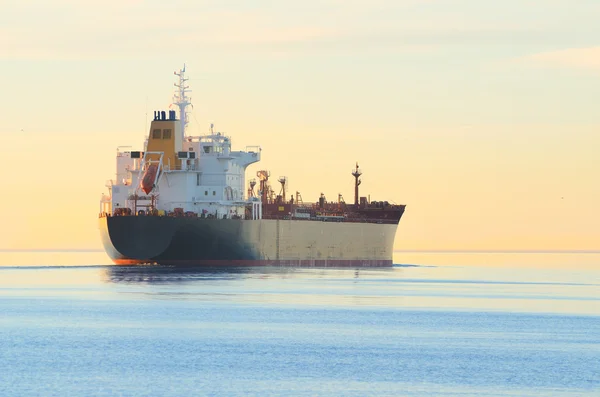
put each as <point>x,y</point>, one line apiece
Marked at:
<point>146,117</point>
<point>181,100</point>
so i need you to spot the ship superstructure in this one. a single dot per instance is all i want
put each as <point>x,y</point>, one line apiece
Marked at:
<point>184,199</point>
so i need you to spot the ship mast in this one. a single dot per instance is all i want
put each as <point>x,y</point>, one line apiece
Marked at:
<point>181,100</point>
<point>356,174</point>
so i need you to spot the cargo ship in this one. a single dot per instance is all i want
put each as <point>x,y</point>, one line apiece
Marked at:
<point>185,200</point>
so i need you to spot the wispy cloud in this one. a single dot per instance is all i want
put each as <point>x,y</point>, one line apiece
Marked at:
<point>68,29</point>
<point>579,58</point>
<point>133,29</point>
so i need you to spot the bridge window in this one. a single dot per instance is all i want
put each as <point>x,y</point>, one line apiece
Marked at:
<point>214,193</point>
<point>156,134</point>
<point>206,192</point>
<point>207,149</point>
<point>167,134</point>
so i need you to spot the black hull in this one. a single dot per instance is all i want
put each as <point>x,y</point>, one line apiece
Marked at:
<point>235,242</point>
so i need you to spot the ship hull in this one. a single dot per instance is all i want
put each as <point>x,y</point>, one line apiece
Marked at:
<point>236,242</point>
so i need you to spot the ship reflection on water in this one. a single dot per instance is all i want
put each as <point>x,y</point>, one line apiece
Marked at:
<point>159,274</point>
<point>256,286</point>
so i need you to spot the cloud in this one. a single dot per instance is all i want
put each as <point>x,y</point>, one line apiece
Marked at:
<point>573,58</point>
<point>133,29</point>
<point>268,35</point>
<point>68,29</point>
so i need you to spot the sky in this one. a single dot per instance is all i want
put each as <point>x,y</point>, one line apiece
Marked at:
<point>479,115</point>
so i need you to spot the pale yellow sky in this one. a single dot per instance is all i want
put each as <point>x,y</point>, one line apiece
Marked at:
<point>479,115</point>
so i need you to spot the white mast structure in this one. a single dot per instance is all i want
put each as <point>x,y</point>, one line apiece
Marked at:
<point>181,100</point>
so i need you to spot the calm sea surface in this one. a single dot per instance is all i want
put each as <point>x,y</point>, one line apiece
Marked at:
<point>436,324</point>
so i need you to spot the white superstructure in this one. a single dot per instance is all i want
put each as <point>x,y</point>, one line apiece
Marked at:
<point>193,175</point>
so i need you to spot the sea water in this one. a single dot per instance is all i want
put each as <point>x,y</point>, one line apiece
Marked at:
<point>436,324</point>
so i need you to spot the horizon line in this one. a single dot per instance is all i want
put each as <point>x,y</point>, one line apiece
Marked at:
<point>432,251</point>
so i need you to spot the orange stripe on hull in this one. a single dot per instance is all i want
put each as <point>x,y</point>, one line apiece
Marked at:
<point>252,262</point>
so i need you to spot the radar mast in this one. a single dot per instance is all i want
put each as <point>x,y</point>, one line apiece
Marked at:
<point>181,100</point>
